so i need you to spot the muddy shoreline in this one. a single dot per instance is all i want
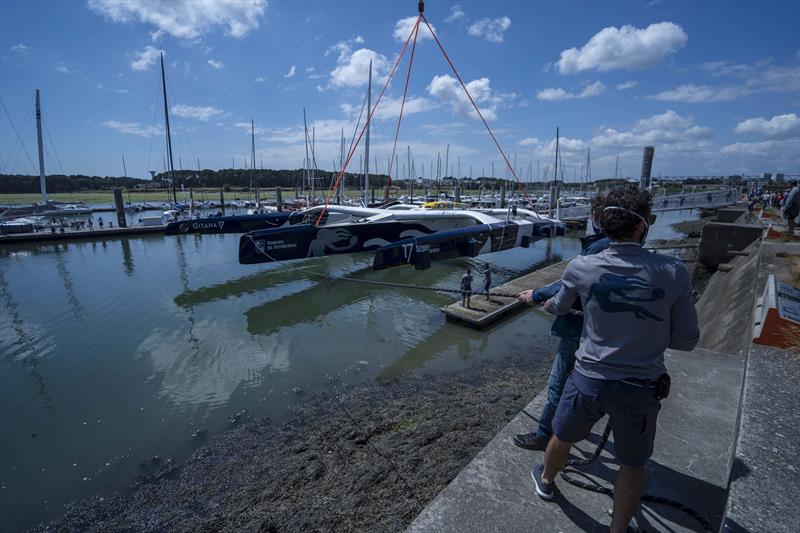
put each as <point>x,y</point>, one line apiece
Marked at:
<point>368,459</point>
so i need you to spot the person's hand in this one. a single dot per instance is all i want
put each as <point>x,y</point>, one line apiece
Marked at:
<point>526,297</point>
<point>547,305</point>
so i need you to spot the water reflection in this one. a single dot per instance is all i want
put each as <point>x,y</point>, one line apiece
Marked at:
<point>25,348</point>
<point>127,257</point>
<point>66,280</point>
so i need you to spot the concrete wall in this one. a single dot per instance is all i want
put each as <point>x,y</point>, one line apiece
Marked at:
<point>725,310</point>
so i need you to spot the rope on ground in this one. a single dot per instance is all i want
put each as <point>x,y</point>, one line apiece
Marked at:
<point>595,487</point>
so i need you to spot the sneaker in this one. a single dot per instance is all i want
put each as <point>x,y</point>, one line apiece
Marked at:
<point>531,441</point>
<point>544,490</point>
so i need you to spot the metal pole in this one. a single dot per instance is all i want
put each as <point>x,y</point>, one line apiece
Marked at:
<point>169,138</point>
<point>42,179</point>
<point>366,143</point>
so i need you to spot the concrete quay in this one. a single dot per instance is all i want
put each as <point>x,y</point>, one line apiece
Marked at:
<point>728,440</point>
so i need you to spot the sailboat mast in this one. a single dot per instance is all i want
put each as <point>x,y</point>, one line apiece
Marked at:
<point>366,144</point>
<point>307,163</point>
<point>555,180</point>
<point>124,168</point>
<point>169,138</point>
<point>42,179</point>
<point>252,153</point>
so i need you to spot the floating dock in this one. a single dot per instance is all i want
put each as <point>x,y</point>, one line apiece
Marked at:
<point>45,236</point>
<point>483,312</point>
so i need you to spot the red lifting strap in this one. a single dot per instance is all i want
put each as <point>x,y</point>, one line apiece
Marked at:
<point>414,33</point>
<point>402,106</point>
<point>369,118</point>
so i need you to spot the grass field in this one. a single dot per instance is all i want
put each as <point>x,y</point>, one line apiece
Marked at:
<point>107,197</point>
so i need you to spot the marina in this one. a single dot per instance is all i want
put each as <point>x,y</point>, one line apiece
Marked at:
<point>365,310</point>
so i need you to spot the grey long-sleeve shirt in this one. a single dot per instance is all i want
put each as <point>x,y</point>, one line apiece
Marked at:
<point>636,304</point>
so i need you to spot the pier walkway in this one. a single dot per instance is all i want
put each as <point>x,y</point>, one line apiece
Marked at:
<point>483,312</point>
<point>73,235</point>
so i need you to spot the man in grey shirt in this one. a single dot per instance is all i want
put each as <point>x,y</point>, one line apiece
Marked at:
<point>636,304</point>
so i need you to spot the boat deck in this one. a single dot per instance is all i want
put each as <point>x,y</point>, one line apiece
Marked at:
<point>483,311</point>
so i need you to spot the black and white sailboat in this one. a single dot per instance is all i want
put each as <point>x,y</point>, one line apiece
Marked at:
<point>397,237</point>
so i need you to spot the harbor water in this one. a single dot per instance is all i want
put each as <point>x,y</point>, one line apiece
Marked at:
<point>115,351</point>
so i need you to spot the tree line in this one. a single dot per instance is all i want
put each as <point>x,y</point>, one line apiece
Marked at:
<point>226,178</point>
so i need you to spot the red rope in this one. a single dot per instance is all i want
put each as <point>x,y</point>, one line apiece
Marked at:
<point>513,172</point>
<point>402,106</point>
<point>369,119</point>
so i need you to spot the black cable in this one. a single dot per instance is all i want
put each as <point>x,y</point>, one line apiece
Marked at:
<point>609,492</point>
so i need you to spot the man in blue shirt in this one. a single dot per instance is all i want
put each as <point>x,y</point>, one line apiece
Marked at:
<point>636,304</point>
<point>568,328</point>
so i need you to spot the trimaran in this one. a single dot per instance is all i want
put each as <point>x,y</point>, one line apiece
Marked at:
<point>398,236</point>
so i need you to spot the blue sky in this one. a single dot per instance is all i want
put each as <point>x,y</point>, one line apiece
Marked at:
<point>715,86</point>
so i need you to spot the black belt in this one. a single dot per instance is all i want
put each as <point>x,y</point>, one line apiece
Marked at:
<point>644,383</point>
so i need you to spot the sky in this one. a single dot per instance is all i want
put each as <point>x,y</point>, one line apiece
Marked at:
<point>714,86</point>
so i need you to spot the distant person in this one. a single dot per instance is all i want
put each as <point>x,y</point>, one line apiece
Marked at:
<point>100,222</point>
<point>487,280</point>
<point>636,304</point>
<point>466,288</point>
<point>791,207</point>
<point>568,329</point>
<point>89,223</point>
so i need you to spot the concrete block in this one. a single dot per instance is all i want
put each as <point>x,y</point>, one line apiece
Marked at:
<point>730,214</point>
<point>719,239</point>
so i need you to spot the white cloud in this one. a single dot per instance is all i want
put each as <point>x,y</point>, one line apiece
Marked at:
<point>202,113</point>
<point>529,141</point>
<point>21,49</point>
<point>249,128</point>
<point>759,77</point>
<point>762,149</point>
<point>133,128</point>
<point>490,29</point>
<point>449,90</point>
<point>358,39</point>
<point>389,108</point>
<point>118,91</point>
<point>146,58</point>
<point>668,128</point>
<point>456,13</point>
<point>447,129</point>
<point>291,72</point>
<point>63,69</point>
<point>352,68</point>
<point>186,19</point>
<point>627,85</point>
<point>403,27</point>
<point>625,48</point>
<point>694,94</point>
<point>554,95</point>
<point>216,65</point>
<point>778,127</point>
<point>261,79</point>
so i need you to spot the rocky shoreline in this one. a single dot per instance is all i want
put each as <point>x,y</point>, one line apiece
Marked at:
<point>369,459</point>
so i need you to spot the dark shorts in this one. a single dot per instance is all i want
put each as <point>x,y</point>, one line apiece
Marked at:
<point>791,213</point>
<point>632,410</point>
<point>466,294</point>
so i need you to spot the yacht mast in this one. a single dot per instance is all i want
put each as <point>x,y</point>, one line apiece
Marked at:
<point>366,144</point>
<point>308,162</point>
<point>171,168</point>
<point>42,179</point>
<point>252,155</point>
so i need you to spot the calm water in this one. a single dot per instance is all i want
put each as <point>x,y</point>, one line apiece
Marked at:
<point>114,351</point>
